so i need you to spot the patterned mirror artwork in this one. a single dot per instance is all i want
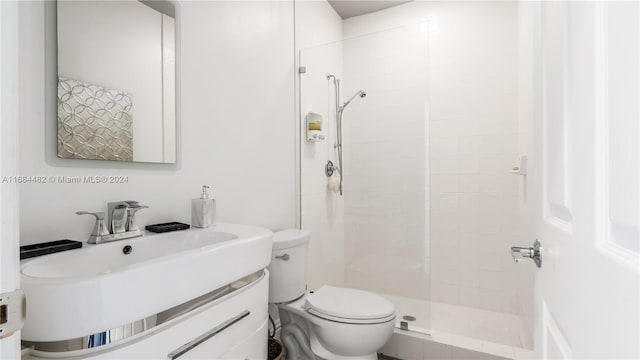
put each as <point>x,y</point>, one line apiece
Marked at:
<point>94,122</point>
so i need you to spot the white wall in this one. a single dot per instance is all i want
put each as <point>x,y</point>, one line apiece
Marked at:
<point>322,211</point>
<point>236,126</point>
<point>316,24</point>
<point>474,140</point>
<point>127,57</point>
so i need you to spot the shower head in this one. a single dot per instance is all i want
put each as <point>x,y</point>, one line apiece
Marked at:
<point>360,93</point>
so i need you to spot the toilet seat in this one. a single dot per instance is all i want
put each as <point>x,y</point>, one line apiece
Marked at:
<point>349,306</point>
<point>350,321</point>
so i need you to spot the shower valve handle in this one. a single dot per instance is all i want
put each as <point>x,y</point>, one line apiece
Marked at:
<point>533,253</point>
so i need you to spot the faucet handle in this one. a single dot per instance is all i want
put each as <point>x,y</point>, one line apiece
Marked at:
<point>99,214</point>
<point>135,207</point>
<point>99,228</point>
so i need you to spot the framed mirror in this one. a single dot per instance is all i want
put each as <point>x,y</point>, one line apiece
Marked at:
<point>116,81</point>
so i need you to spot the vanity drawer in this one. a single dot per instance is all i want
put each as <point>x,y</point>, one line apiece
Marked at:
<point>234,326</point>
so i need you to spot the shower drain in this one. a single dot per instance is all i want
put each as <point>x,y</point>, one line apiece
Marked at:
<point>409,318</point>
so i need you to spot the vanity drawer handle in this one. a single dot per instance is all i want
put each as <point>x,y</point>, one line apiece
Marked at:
<point>206,336</point>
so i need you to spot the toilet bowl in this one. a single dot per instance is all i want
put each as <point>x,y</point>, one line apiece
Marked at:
<point>331,322</point>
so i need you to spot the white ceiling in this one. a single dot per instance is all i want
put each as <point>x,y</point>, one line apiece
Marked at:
<point>351,8</point>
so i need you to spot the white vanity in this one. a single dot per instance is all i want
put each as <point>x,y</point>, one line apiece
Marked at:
<point>191,294</point>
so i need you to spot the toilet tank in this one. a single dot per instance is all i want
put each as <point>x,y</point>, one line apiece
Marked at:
<point>288,268</point>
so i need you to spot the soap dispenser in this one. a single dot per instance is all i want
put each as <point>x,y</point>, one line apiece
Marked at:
<point>203,210</point>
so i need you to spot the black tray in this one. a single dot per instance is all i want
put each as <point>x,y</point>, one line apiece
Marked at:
<point>166,227</point>
<point>29,251</point>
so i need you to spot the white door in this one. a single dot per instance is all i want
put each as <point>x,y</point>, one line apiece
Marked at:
<point>9,279</point>
<point>587,288</point>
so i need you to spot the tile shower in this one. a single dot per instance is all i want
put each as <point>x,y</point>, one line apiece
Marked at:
<point>430,207</point>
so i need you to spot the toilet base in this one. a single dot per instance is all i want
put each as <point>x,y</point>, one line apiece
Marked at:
<point>324,354</point>
<point>302,333</point>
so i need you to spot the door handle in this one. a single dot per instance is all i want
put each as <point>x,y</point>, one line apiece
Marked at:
<point>533,253</point>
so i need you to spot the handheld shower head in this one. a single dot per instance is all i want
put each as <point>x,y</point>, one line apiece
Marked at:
<point>360,93</point>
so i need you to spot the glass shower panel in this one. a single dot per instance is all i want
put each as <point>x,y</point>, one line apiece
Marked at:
<point>385,207</point>
<point>321,211</point>
<point>386,167</point>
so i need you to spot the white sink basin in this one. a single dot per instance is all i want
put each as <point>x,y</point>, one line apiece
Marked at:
<point>82,292</point>
<point>97,260</point>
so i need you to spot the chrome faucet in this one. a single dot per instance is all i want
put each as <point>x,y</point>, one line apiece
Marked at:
<point>121,220</point>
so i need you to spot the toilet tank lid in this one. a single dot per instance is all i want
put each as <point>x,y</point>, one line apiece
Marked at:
<point>290,238</point>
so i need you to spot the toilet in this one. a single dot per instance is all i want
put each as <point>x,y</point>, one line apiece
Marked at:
<point>331,322</point>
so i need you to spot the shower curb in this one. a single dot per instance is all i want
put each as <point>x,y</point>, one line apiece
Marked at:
<point>406,344</point>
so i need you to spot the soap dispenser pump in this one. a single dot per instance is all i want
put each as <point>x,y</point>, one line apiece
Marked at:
<point>203,210</point>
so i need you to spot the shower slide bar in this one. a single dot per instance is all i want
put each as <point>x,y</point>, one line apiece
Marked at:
<point>339,111</point>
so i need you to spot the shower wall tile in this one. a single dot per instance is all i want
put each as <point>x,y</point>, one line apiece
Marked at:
<point>447,183</point>
<point>473,144</point>
<point>496,279</point>
<point>326,248</point>
<point>446,202</point>
<point>470,294</point>
<point>472,136</point>
<point>386,163</point>
<point>444,273</point>
<point>444,292</point>
<point>469,280</point>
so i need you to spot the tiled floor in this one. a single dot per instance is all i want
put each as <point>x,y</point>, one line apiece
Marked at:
<point>445,331</point>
